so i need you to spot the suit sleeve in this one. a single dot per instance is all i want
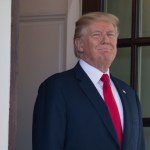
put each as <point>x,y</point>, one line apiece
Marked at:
<point>49,118</point>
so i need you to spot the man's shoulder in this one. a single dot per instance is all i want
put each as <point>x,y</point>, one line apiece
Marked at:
<point>59,77</point>
<point>64,75</point>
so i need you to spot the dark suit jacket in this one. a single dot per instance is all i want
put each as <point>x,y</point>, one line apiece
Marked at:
<point>70,114</point>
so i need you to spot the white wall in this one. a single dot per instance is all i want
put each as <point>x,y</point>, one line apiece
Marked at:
<point>5,31</point>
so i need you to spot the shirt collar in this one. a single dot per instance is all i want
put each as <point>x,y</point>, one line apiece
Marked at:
<point>93,73</point>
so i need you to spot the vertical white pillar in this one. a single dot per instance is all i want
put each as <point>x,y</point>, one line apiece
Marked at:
<point>5,34</point>
<point>74,11</point>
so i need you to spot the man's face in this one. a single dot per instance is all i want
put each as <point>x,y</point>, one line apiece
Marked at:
<point>98,44</point>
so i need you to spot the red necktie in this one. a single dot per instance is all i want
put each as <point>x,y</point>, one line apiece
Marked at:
<point>112,107</point>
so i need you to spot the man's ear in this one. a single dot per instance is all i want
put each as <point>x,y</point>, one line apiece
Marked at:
<point>79,44</point>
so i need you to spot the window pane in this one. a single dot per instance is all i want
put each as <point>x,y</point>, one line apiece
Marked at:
<point>147,137</point>
<point>144,81</point>
<point>122,9</point>
<point>121,65</point>
<point>144,18</point>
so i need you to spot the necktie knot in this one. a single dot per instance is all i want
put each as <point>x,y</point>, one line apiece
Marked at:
<point>105,78</point>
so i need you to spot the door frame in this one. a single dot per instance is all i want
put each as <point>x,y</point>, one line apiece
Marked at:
<point>13,75</point>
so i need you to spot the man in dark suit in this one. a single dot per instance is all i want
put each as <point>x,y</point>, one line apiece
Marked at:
<point>71,111</point>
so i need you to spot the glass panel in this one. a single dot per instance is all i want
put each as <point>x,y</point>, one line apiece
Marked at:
<point>121,65</point>
<point>144,82</point>
<point>144,18</point>
<point>147,137</point>
<point>123,12</point>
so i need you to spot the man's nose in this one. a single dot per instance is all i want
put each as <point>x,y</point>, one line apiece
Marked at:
<point>105,38</point>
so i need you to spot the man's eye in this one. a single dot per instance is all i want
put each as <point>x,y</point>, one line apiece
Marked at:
<point>111,35</point>
<point>96,35</point>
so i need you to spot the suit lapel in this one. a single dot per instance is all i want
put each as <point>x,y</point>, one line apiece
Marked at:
<point>96,100</point>
<point>127,137</point>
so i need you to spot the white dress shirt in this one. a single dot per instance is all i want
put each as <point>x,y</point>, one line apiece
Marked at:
<point>94,74</point>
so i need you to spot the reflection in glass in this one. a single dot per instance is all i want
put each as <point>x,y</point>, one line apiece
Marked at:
<point>145,80</point>
<point>121,65</point>
<point>144,18</point>
<point>122,9</point>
